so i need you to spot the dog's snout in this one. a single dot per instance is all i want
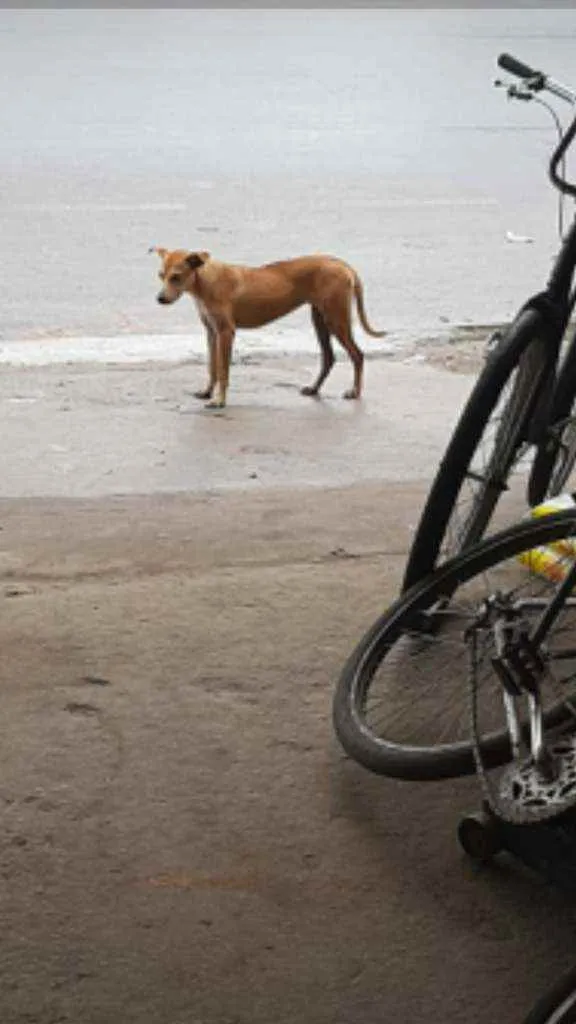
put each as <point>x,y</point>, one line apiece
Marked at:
<point>161,298</point>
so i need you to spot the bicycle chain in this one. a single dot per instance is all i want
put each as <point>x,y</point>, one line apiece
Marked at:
<point>485,786</point>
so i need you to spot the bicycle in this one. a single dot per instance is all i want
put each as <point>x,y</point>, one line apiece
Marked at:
<point>523,401</point>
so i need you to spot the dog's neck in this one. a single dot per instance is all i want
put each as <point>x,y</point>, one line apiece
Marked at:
<point>194,284</point>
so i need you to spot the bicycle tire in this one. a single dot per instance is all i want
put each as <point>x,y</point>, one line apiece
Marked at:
<point>558,1004</point>
<point>529,328</point>
<point>552,466</point>
<point>397,639</point>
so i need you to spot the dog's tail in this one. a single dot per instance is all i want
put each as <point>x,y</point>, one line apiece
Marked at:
<point>359,296</point>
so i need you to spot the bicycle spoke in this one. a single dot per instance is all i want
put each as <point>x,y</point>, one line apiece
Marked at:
<point>483,473</point>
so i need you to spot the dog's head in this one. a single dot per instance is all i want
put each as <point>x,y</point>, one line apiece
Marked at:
<point>177,272</point>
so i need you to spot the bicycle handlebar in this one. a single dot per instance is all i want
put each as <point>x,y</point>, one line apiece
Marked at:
<point>535,80</point>
<point>518,68</point>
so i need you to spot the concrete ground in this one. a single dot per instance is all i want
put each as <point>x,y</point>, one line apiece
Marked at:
<point>183,840</point>
<point>85,430</point>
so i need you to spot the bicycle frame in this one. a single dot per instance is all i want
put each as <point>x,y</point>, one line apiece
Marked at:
<point>560,280</point>
<point>557,303</point>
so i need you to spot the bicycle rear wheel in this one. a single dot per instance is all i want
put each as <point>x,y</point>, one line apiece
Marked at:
<point>402,704</point>
<point>558,1005</point>
<point>488,442</point>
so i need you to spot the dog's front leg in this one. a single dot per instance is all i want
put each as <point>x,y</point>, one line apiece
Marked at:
<point>223,346</point>
<point>208,391</point>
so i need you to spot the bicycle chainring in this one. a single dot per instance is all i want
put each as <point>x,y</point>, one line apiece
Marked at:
<point>528,793</point>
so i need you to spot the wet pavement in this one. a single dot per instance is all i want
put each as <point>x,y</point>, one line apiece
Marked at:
<point>102,430</point>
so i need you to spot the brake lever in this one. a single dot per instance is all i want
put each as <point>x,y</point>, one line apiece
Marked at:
<point>514,92</point>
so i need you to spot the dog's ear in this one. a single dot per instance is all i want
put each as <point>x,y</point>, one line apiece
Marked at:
<point>197,259</point>
<point>161,252</point>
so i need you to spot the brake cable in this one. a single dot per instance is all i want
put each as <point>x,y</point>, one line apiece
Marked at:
<point>561,195</point>
<point>518,93</point>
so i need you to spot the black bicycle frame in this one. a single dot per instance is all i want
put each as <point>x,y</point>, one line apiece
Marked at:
<point>560,280</point>
<point>555,304</point>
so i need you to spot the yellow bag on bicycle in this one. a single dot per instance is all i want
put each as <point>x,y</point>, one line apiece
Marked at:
<point>546,561</point>
<point>566,546</point>
<point>552,561</point>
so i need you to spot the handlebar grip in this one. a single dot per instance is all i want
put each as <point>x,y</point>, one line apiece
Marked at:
<point>516,67</point>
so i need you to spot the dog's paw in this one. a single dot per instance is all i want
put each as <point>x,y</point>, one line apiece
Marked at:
<point>215,403</point>
<point>309,391</point>
<point>204,394</point>
<point>351,394</point>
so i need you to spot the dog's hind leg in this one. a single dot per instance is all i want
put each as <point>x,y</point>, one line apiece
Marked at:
<point>326,352</point>
<point>339,323</point>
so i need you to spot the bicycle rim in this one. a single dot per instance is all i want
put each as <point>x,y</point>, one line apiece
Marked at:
<point>402,706</point>
<point>502,452</point>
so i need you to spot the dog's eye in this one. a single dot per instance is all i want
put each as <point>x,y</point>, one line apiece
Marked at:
<point>176,279</point>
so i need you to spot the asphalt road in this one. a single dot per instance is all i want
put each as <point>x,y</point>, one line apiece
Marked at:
<point>375,135</point>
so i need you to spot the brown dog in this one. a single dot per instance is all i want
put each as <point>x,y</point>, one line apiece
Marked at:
<point>229,296</point>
